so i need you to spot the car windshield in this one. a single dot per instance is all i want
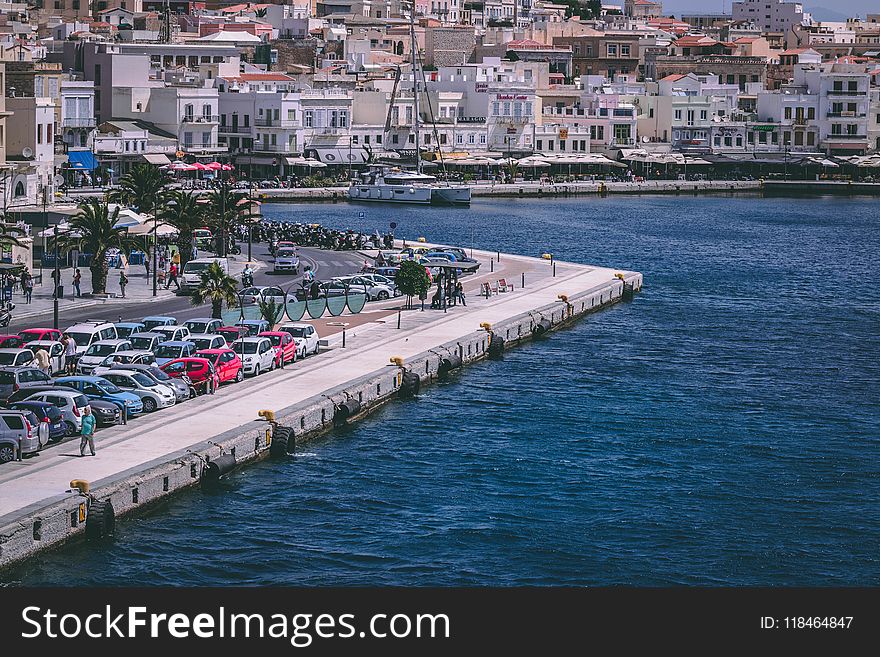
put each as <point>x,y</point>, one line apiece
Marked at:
<point>201,343</point>
<point>81,401</point>
<point>81,339</point>
<point>7,358</point>
<point>297,331</point>
<point>142,343</point>
<point>143,379</point>
<point>197,327</point>
<point>275,340</point>
<point>108,387</point>
<point>100,350</point>
<point>286,253</point>
<point>28,336</point>
<point>245,347</point>
<point>167,351</point>
<point>153,323</point>
<point>159,374</point>
<point>193,267</point>
<point>7,378</point>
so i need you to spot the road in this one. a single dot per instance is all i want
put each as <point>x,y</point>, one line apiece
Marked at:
<point>325,264</point>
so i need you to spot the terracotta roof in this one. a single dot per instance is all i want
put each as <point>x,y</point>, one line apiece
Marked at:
<point>672,78</point>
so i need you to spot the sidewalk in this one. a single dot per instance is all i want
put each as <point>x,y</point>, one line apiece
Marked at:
<point>139,289</point>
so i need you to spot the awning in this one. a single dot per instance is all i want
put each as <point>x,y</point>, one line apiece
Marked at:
<point>82,160</point>
<point>157,158</point>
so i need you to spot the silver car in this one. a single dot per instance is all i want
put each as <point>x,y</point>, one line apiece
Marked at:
<point>21,433</point>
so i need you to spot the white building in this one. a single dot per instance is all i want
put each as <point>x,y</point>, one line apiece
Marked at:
<point>771,15</point>
<point>77,114</point>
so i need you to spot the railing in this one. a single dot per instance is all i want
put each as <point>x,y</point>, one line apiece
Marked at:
<point>203,147</point>
<point>276,123</point>
<point>78,122</point>
<point>846,115</point>
<point>200,118</point>
<point>833,137</point>
<point>512,119</point>
<point>259,147</point>
<point>236,129</point>
<point>841,92</point>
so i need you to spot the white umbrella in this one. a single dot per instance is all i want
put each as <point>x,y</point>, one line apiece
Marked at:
<point>533,163</point>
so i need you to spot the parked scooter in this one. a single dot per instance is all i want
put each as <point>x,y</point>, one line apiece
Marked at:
<point>6,313</point>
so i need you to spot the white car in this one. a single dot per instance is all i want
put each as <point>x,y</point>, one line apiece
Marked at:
<point>305,336</point>
<point>373,289</point>
<point>286,260</point>
<point>207,341</point>
<point>153,395</point>
<point>97,352</point>
<point>16,357</point>
<point>86,334</point>
<point>147,341</point>
<point>130,357</point>
<point>257,354</point>
<point>71,404</point>
<point>172,332</point>
<point>57,359</point>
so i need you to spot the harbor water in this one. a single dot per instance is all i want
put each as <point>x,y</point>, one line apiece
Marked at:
<point>722,429</point>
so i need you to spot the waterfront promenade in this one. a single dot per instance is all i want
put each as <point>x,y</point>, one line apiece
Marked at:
<point>37,489</point>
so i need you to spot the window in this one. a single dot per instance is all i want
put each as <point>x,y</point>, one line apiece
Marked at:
<point>471,138</point>
<point>799,138</point>
<point>459,139</point>
<point>678,115</point>
<point>624,50</point>
<point>786,138</point>
<point>395,139</point>
<point>787,112</point>
<point>612,49</point>
<point>308,118</point>
<point>703,115</point>
<point>836,128</point>
<point>728,141</point>
<point>811,113</point>
<point>539,144</point>
<point>811,138</point>
<point>39,133</point>
<point>483,139</point>
<point>739,140</point>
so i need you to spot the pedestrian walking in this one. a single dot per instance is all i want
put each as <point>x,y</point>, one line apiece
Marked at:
<point>69,353</point>
<point>41,358</point>
<point>172,277</point>
<point>123,281</point>
<point>27,286</point>
<point>87,433</point>
<point>77,278</point>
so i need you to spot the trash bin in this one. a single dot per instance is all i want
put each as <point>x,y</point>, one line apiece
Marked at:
<point>59,291</point>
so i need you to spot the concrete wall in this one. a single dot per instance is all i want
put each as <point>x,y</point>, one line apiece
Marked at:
<point>62,519</point>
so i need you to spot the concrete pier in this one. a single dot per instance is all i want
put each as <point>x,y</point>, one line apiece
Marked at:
<point>156,455</point>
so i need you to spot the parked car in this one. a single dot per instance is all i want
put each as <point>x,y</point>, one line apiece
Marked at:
<point>266,293</point>
<point>207,341</point>
<point>57,359</point>
<point>31,334</point>
<point>286,260</point>
<point>10,342</point>
<point>19,435</point>
<point>97,352</point>
<point>96,387</point>
<point>171,350</point>
<point>125,329</point>
<point>154,321</point>
<point>70,403</point>
<point>131,357</point>
<point>192,270</point>
<point>153,395</point>
<point>256,354</point>
<point>226,362</point>
<point>85,334</point>
<point>16,357</point>
<point>254,326</point>
<point>305,336</point>
<point>47,414</point>
<point>172,332</point>
<point>284,346</point>
<point>388,272</point>
<point>374,290</point>
<point>106,412</point>
<point>13,379</point>
<point>199,372</point>
<point>460,255</point>
<point>233,333</point>
<point>147,341</point>
<point>203,325</point>
<point>181,388</point>
<point>379,279</point>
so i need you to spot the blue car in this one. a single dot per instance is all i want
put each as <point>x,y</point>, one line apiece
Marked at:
<point>45,412</point>
<point>153,321</point>
<point>174,349</point>
<point>97,387</point>
<point>125,329</point>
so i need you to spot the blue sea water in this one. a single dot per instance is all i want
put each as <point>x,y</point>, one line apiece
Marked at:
<point>722,429</point>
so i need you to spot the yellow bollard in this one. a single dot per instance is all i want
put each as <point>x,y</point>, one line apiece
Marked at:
<point>547,256</point>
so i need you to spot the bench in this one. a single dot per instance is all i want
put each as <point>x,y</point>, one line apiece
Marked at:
<point>503,286</point>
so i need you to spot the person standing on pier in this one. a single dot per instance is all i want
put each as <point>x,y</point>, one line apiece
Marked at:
<point>87,432</point>
<point>459,293</point>
<point>77,278</point>
<point>123,281</point>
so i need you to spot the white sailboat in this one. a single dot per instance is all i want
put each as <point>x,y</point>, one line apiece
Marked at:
<point>392,185</point>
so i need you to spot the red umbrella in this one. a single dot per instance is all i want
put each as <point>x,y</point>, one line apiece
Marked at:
<point>213,166</point>
<point>198,166</point>
<point>227,167</point>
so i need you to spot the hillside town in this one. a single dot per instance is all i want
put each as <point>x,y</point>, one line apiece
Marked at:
<point>300,92</point>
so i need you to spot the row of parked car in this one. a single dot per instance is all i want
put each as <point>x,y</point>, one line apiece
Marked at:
<point>128,368</point>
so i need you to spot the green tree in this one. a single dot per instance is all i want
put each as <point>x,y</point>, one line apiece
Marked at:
<point>227,208</point>
<point>183,212</point>
<point>9,234</point>
<point>412,280</point>
<point>143,188</point>
<point>93,230</point>
<point>270,310</point>
<point>216,287</point>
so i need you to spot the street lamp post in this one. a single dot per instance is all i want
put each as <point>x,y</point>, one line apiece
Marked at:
<point>155,249</point>
<point>56,277</point>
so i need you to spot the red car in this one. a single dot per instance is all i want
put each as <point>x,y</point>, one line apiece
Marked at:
<point>31,334</point>
<point>227,363</point>
<point>232,333</point>
<point>199,372</point>
<point>11,342</point>
<point>285,347</point>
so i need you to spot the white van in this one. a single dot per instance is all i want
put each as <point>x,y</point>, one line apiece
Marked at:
<point>85,334</point>
<point>192,270</point>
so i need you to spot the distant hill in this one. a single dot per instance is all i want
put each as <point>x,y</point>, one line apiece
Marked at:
<point>842,9</point>
<point>822,14</point>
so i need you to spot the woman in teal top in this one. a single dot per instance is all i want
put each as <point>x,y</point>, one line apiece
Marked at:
<point>87,432</point>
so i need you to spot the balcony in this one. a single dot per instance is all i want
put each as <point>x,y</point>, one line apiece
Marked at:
<point>846,115</point>
<point>201,118</point>
<point>513,119</point>
<point>235,129</point>
<point>204,148</point>
<point>260,147</point>
<point>834,137</point>
<point>841,92</point>
<point>276,123</point>
<point>78,122</point>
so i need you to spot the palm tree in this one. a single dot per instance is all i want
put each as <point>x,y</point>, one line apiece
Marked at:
<point>270,310</point>
<point>143,188</point>
<point>93,230</point>
<point>228,207</point>
<point>9,234</point>
<point>216,286</point>
<point>184,213</point>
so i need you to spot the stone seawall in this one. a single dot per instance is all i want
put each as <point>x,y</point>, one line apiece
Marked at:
<point>64,517</point>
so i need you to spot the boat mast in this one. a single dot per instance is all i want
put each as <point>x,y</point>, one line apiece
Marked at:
<point>414,53</point>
